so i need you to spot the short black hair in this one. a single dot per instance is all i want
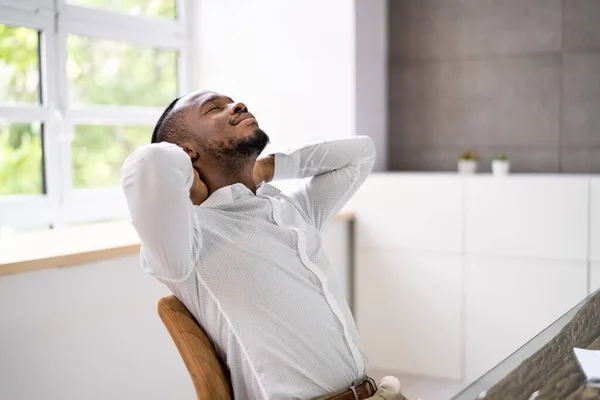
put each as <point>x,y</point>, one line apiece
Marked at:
<point>170,126</point>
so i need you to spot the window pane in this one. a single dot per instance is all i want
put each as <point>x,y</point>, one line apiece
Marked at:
<point>21,168</point>
<point>19,65</point>
<point>109,72</point>
<point>150,8</point>
<point>99,151</point>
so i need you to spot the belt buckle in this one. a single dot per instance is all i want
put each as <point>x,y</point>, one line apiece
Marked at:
<point>353,389</point>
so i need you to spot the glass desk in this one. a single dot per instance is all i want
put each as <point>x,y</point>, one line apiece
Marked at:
<point>545,367</point>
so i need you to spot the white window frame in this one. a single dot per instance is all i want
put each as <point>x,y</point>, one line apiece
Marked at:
<point>55,19</point>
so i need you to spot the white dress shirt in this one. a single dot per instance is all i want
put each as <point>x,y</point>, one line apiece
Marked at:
<point>251,268</point>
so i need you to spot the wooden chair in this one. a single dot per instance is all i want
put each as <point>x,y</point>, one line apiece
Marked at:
<point>210,378</point>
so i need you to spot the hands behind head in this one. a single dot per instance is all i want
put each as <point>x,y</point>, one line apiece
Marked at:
<point>199,190</point>
<point>263,169</point>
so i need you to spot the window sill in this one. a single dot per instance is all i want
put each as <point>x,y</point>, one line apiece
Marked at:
<point>76,245</point>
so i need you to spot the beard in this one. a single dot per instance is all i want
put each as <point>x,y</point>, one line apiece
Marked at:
<point>249,146</point>
<point>236,151</point>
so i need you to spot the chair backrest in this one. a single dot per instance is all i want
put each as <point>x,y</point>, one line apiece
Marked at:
<point>208,374</point>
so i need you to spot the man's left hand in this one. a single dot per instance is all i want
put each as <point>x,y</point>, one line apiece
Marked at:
<point>264,168</point>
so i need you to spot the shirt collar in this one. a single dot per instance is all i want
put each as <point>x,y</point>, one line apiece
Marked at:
<point>237,191</point>
<point>266,189</point>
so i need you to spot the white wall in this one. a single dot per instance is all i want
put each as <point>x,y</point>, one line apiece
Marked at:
<point>92,332</point>
<point>292,63</point>
<point>371,75</point>
<point>299,66</point>
<point>88,332</point>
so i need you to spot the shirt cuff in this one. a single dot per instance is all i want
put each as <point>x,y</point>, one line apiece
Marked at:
<point>286,167</point>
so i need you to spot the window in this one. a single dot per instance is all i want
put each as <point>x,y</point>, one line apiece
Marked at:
<point>82,83</point>
<point>150,8</point>
<point>112,72</point>
<point>19,65</point>
<point>21,166</point>
<point>99,150</point>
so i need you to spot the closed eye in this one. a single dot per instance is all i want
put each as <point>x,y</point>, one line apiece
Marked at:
<point>212,108</point>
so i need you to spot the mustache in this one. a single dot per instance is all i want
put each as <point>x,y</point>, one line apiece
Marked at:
<point>239,118</point>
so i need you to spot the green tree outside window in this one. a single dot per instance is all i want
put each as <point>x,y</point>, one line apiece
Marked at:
<point>100,72</point>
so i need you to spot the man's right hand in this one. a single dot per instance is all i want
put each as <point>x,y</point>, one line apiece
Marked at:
<point>199,191</point>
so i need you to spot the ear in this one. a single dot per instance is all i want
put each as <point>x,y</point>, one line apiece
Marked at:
<point>191,151</point>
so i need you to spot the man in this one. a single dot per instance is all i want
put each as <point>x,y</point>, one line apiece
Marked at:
<point>244,257</point>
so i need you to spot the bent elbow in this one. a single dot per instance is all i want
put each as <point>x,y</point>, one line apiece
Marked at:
<point>369,152</point>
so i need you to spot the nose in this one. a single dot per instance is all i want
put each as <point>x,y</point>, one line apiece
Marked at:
<point>237,108</point>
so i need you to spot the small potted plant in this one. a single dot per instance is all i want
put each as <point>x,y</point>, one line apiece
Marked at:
<point>501,165</point>
<point>467,164</point>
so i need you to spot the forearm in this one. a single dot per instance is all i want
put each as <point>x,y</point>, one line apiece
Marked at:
<point>323,157</point>
<point>337,169</point>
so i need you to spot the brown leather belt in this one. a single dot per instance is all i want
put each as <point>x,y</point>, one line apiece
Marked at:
<point>359,392</point>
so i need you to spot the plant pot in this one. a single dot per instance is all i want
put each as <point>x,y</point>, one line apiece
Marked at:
<point>500,167</point>
<point>467,166</point>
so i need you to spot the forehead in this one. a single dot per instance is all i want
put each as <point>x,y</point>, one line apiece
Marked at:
<point>199,98</point>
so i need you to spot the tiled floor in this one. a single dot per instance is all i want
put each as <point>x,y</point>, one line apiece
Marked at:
<point>416,387</point>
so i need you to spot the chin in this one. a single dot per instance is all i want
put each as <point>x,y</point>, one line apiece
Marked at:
<point>249,130</point>
<point>252,132</point>
<point>249,143</point>
<point>260,137</point>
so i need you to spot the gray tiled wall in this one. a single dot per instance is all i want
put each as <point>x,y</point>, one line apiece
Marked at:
<point>514,76</point>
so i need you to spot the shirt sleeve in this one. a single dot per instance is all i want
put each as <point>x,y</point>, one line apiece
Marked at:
<point>337,168</point>
<point>156,179</point>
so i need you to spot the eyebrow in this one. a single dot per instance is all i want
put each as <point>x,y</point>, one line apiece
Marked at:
<point>214,98</point>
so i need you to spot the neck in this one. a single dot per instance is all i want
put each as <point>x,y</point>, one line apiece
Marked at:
<point>230,174</point>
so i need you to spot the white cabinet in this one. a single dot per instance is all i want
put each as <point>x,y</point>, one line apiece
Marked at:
<point>456,272</point>
<point>409,212</point>
<point>543,217</point>
<point>409,310</point>
<point>408,272</point>
<point>595,219</point>
<point>508,301</point>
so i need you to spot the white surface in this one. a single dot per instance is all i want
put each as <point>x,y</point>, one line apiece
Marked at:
<point>371,75</point>
<point>543,217</point>
<point>408,310</point>
<point>589,361</point>
<point>594,276</point>
<point>21,246</point>
<point>508,301</point>
<point>410,212</point>
<point>18,246</point>
<point>595,219</point>
<point>537,223</point>
<point>83,333</point>
<point>335,242</point>
<point>291,63</point>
